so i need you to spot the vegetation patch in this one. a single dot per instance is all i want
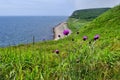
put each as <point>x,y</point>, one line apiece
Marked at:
<point>91,52</point>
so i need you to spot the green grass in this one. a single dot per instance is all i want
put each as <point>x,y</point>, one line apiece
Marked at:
<point>77,60</point>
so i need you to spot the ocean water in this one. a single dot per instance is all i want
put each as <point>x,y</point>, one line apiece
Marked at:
<point>16,30</point>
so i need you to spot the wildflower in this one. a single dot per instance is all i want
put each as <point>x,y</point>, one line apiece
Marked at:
<point>96,37</point>
<point>57,51</point>
<point>66,32</point>
<point>85,38</point>
<point>59,36</point>
<point>89,42</point>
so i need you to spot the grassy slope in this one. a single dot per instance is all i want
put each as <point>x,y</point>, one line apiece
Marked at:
<point>78,59</point>
<point>108,27</point>
<point>82,17</point>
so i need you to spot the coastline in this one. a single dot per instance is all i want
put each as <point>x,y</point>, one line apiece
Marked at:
<point>58,30</point>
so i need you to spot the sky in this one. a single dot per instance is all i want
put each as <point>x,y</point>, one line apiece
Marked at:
<point>49,7</point>
<point>85,4</point>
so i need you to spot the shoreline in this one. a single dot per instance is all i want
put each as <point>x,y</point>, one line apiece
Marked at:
<point>58,30</point>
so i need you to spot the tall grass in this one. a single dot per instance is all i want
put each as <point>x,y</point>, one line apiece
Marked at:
<point>79,62</point>
<point>77,59</point>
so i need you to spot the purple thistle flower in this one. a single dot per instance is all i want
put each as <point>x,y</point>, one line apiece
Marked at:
<point>66,32</point>
<point>96,37</point>
<point>57,51</point>
<point>85,38</point>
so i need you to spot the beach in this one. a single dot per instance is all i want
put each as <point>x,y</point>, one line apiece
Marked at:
<point>58,30</point>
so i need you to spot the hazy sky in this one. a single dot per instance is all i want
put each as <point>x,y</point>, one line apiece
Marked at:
<point>83,4</point>
<point>50,7</point>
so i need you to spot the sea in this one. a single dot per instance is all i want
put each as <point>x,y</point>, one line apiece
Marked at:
<point>16,30</point>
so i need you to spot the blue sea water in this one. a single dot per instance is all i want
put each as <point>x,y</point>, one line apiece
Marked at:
<point>16,30</point>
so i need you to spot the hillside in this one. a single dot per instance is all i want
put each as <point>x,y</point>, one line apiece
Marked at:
<point>107,26</point>
<point>71,58</point>
<point>88,14</point>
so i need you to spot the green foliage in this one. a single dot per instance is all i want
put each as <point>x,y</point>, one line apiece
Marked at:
<point>77,60</point>
<point>88,14</point>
